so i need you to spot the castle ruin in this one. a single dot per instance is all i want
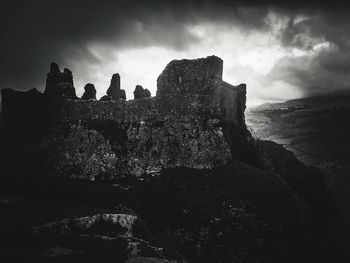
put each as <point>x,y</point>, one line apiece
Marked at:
<point>195,120</point>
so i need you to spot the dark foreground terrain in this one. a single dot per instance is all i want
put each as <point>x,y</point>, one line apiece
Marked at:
<point>232,214</point>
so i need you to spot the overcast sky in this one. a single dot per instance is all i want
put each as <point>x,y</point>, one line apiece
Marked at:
<point>280,50</point>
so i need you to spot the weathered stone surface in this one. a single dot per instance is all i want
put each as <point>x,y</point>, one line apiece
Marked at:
<point>114,87</point>
<point>140,92</point>
<point>114,90</point>
<point>90,92</point>
<point>85,224</point>
<point>199,77</point>
<point>76,152</point>
<point>106,98</point>
<point>59,85</point>
<point>63,90</point>
<point>195,121</point>
<point>122,94</point>
<point>55,76</point>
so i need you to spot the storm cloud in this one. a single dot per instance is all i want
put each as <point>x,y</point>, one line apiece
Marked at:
<point>324,66</point>
<point>35,33</point>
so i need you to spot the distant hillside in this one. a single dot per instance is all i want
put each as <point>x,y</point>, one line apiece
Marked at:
<point>318,102</point>
<point>314,129</point>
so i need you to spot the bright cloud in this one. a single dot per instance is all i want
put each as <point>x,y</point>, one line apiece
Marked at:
<point>248,58</point>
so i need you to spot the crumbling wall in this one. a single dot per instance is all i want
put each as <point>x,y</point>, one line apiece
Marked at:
<point>198,78</point>
<point>188,124</point>
<point>160,133</point>
<point>232,101</point>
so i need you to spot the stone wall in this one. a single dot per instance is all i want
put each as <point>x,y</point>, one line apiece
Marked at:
<point>191,122</point>
<point>197,77</point>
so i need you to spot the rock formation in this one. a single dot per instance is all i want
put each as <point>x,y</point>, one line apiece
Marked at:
<point>140,92</point>
<point>90,92</point>
<point>114,90</point>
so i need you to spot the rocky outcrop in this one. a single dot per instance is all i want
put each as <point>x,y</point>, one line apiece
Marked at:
<point>90,92</point>
<point>114,90</point>
<point>140,92</point>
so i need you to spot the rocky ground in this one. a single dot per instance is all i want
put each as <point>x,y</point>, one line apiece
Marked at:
<point>232,214</point>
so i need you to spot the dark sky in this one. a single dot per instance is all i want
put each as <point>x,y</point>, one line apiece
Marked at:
<point>281,49</point>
